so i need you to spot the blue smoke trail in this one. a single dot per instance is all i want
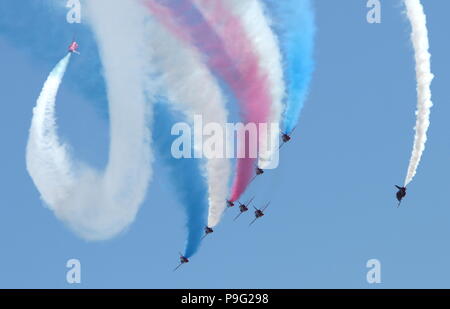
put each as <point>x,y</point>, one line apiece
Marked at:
<point>294,23</point>
<point>186,176</point>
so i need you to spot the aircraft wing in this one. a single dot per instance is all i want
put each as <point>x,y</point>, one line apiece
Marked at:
<point>293,130</point>
<point>265,207</point>
<point>249,201</point>
<point>253,221</point>
<point>178,266</point>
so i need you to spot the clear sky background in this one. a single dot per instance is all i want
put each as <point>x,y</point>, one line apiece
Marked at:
<point>333,197</point>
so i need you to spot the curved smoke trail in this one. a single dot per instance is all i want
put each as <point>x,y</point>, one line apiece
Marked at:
<point>419,38</point>
<point>98,205</point>
<point>294,23</point>
<point>178,69</point>
<point>48,161</point>
<point>229,54</point>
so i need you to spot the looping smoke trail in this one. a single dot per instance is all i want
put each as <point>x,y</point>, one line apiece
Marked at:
<point>294,23</point>
<point>98,205</point>
<point>419,38</point>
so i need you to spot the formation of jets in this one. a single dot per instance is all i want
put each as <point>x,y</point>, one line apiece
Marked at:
<point>243,207</point>
<point>285,137</point>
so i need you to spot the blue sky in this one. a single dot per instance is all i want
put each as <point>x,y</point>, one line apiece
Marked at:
<point>333,197</point>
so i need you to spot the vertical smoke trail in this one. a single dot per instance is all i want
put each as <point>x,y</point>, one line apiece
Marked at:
<point>251,89</point>
<point>99,205</point>
<point>229,54</point>
<point>266,46</point>
<point>293,22</point>
<point>419,38</point>
<point>183,171</point>
<point>191,90</point>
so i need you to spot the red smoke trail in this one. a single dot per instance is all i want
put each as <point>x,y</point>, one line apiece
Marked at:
<point>229,54</point>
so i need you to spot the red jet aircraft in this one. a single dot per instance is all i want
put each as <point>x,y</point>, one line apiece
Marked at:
<point>73,48</point>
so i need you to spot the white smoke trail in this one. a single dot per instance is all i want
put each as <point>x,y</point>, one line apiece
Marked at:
<point>266,47</point>
<point>419,38</point>
<point>48,160</point>
<point>99,205</point>
<point>192,90</point>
